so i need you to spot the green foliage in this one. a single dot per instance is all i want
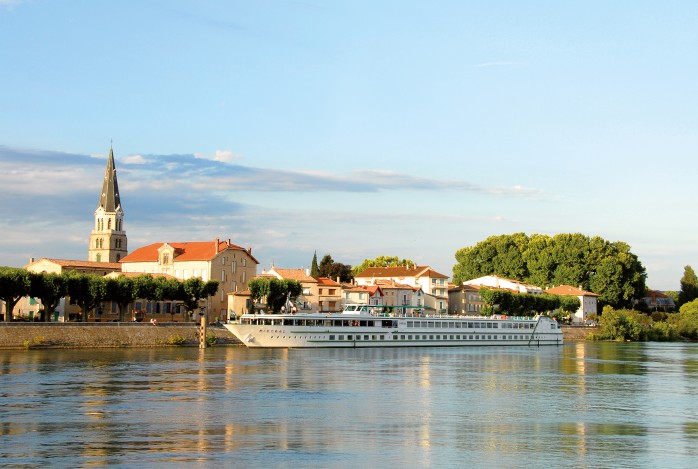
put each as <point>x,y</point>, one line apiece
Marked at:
<point>210,340</point>
<point>333,270</point>
<point>609,269</point>
<point>194,289</point>
<point>686,322</point>
<point>14,284</point>
<point>689,286</point>
<point>620,325</point>
<point>314,269</point>
<point>122,291</point>
<point>87,290</point>
<point>176,339</point>
<point>275,291</point>
<point>49,288</point>
<point>381,261</point>
<point>524,304</point>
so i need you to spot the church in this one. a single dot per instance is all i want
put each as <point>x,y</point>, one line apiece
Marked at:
<point>107,255</point>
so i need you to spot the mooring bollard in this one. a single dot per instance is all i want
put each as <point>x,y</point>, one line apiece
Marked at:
<point>202,332</point>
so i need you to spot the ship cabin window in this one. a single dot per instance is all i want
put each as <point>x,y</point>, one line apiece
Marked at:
<point>350,337</point>
<point>365,337</point>
<point>470,324</point>
<point>431,337</point>
<point>331,337</point>
<point>430,324</point>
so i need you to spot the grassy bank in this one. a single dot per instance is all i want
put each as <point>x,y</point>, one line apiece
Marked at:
<point>74,335</point>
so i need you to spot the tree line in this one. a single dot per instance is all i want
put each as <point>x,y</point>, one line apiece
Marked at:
<point>594,264</point>
<point>89,290</point>
<point>525,304</point>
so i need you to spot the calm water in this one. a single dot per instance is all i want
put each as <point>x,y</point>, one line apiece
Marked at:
<point>580,405</point>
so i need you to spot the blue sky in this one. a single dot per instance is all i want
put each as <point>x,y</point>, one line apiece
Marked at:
<point>353,128</point>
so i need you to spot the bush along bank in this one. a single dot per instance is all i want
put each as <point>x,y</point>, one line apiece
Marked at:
<point>631,325</point>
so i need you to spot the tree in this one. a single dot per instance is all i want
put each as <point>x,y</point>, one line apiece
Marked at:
<point>49,288</point>
<point>314,269</point>
<point>608,269</point>
<point>381,261</point>
<point>87,290</point>
<point>122,291</point>
<point>194,289</point>
<point>689,286</point>
<point>14,284</point>
<point>275,291</point>
<point>331,269</point>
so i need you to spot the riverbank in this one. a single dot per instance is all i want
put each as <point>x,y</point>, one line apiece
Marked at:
<point>107,335</point>
<point>112,335</point>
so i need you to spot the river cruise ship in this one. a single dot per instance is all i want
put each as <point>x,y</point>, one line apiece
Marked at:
<point>365,326</point>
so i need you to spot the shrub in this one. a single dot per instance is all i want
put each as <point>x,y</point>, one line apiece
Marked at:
<point>176,339</point>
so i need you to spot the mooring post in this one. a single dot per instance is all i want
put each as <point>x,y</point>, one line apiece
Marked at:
<point>202,330</point>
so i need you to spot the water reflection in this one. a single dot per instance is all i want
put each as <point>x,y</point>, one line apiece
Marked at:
<point>584,404</point>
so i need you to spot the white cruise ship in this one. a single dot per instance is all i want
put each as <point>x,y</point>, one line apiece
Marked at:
<point>361,326</point>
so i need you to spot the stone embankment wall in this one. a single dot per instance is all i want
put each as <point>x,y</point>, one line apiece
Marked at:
<point>578,332</point>
<point>74,335</point>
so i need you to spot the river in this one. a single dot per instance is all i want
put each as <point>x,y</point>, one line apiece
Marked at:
<point>583,404</point>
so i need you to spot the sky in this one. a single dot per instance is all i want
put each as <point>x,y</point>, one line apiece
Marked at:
<point>351,128</point>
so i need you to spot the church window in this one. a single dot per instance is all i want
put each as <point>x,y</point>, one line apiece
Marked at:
<point>118,257</point>
<point>109,224</point>
<point>98,258</point>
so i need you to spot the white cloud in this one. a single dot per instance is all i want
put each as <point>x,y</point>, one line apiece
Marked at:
<point>134,159</point>
<point>223,156</point>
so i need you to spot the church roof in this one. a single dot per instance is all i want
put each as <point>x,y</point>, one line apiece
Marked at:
<point>109,199</point>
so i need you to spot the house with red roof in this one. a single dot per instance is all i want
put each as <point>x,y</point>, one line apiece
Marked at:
<point>231,265</point>
<point>433,284</point>
<point>588,303</point>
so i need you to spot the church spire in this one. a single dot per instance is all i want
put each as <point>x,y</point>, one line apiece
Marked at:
<point>108,238</point>
<point>109,200</point>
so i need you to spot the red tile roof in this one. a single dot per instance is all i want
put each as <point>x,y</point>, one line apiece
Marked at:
<point>568,290</point>
<point>294,274</point>
<point>400,272</point>
<point>326,282</point>
<point>187,251</point>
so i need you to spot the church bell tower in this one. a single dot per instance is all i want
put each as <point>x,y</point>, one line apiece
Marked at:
<point>108,238</point>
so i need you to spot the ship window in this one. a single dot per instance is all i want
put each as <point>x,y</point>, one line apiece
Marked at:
<point>430,324</point>
<point>341,337</point>
<point>410,324</point>
<point>350,337</point>
<point>451,325</point>
<point>366,337</point>
<point>458,325</point>
<point>331,337</point>
<point>409,337</point>
<point>395,337</point>
<point>495,326</point>
<point>438,337</point>
<point>451,337</point>
<point>470,324</point>
<point>431,337</point>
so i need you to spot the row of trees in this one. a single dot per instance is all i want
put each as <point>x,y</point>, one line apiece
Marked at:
<point>89,290</point>
<point>608,269</point>
<point>627,324</point>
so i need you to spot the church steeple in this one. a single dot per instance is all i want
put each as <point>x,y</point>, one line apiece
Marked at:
<point>108,238</point>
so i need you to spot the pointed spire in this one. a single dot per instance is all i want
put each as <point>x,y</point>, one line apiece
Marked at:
<point>109,199</point>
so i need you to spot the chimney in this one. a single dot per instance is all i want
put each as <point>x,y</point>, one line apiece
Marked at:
<point>217,243</point>
<point>228,242</point>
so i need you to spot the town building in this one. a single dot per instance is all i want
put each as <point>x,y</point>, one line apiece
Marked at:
<point>588,303</point>
<point>363,294</point>
<point>493,281</point>
<point>231,265</point>
<point>658,301</point>
<point>465,300</point>
<point>432,283</point>
<point>29,307</point>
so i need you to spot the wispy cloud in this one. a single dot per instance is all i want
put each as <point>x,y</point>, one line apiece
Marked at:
<point>134,159</point>
<point>224,156</point>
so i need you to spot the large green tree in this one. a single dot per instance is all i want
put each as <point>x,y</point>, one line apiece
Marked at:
<point>87,290</point>
<point>194,289</point>
<point>275,291</point>
<point>14,284</point>
<point>122,291</point>
<point>49,288</point>
<point>314,269</point>
<point>609,269</point>
<point>689,286</point>
<point>381,261</point>
<point>334,270</point>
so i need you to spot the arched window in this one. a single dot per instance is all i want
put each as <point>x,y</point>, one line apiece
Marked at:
<point>98,258</point>
<point>109,224</point>
<point>165,258</point>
